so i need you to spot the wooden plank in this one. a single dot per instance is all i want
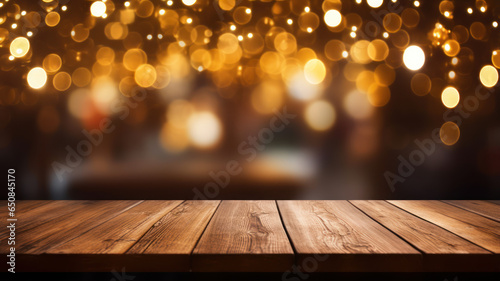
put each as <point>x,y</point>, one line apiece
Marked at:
<point>335,236</point>
<point>444,251</point>
<point>31,215</point>
<point>244,236</point>
<point>494,201</point>
<point>473,227</point>
<point>99,248</point>
<point>118,234</point>
<point>483,208</point>
<point>170,241</point>
<point>48,235</point>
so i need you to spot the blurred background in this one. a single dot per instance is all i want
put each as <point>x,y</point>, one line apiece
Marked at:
<point>238,99</point>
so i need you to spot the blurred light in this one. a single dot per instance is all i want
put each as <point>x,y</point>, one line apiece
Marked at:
<point>289,21</point>
<point>449,133</point>
<point>414,57</point>
<point>494,24</point>
<point>127,4</point>
<point>357,105</point>
<point>385,34</point>
<point>488,76</point>
<point>375,3</point>
<point>97,9</point>
<point>64,8</point>
<point>320,115</point>
<point>469,10</point>
<point>204,129</point>
<point>314,71</point>
<point>333,18</point>
<point>451,74</point>
<point>450,97</point>
<point>19,47</point>
<point>416,3</point>
<point>188,2</point>
<point>454,61</point>
<point>37,77</point>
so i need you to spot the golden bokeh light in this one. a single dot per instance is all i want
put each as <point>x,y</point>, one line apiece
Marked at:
<point>333,18</point>
<point>488,76</point>
<point>145,75</point>
<point>98,9</point>
<point>357,105</point>
<point>495,58</point>
<point>320,115</point>
<point>334,50</point>
<point>19,47</point>
<point>37,77</point>
<point>204,129</point>
<point>451,48</point>
<point>392,22</point>
<point>378,50</point>
<point>62,81</point>
<point>378,95</point>
<point>133,58</point>
<point>449,133</point>
<point>52,19</point>
<point>81,77</point>
<point>450,97</point>
<point>375,3</point>
<point>52,63</point>
<point>268,97</point>
<point>314,71</point>
<point>414,57</point>
<point>421,84</point>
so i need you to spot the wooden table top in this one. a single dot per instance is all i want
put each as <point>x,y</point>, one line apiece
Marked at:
<point>256,236</point>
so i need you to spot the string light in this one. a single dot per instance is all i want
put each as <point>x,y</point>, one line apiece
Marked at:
<point>286,43</point>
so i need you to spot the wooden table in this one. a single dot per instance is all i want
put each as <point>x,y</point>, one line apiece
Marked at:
<point>256,236</point>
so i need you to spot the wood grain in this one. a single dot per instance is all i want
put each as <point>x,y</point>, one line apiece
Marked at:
<point>483,208</point>
<point>31,214</point>
<point>118,234</point>
<point>473,227</point>
<point>171,240</point>
<point>346,239</point>
<point>444,251</point>
<point>244,236</point>
<point>70,225</point>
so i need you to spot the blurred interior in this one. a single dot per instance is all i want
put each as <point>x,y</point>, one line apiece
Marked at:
<point>184,86</point>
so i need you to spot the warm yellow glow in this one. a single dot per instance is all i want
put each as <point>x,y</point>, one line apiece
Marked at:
<point>37,77</point>
<point>449,133</point>
<point>414,57</point>
<point>98,9</point>
<point>469,10</point>
<point>62,81</point>
<point>320,115</point>
<point>450,97</point>
<point>204,129</point>
<point>357,105</point>
<point>314,71</point>
<point>375,3</point>
<point>488,76</point>
<point>333,18</point>
<point>145,75</point>
<point>19,47</point>
<point>188,2</point>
